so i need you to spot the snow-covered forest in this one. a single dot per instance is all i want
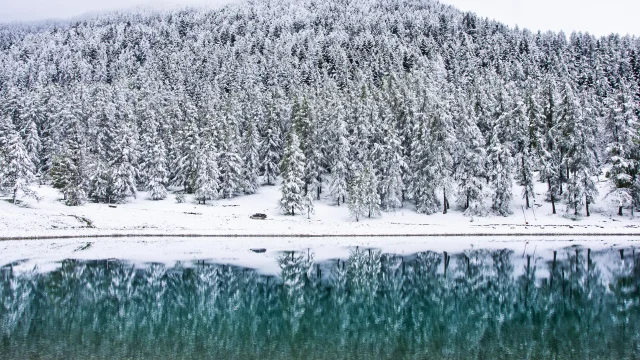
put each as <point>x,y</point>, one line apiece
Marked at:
<point>375,103</point>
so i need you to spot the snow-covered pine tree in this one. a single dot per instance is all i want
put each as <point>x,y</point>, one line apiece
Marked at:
<point>251,159</point>
<point>17,168</point>
<point>580,161</point>
<point>471,160</point>
<point>308,204</point>
<point>550,154</point>
<point>339,172</point>
<point>74,164</point>
<point>292,168</point>
<point>122,171</point>
<point>499,159</point>
<point>206,183</point>
<point>30,117</point>
<point>229,160</point>
<point>357,192</point>
<point>391,165</point>
<point>528,118</point>
<point>270,150</point>
<point>623,149</point>
<point>185,163</point>
<point>370,190</point>
<point>156,172</point>
<point>500,167</point>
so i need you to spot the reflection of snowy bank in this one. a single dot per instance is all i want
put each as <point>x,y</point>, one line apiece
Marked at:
<point>46,254</point>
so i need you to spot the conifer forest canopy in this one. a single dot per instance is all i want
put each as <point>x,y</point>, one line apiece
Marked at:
<point>373,102</point>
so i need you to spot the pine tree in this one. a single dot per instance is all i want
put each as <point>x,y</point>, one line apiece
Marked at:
<point>74,166</point>
<point>229,160</point>
<point>270,151</point>
<point>580,160</point>
<point>155,168</point>
<point>357,193</point>
<point>17,168</point>
<point>308,204</point>
<point>471,159</point>
<point>370,191</point>
<point>122,172</point>
<point>292,168</point>
<point>550,154</point>
<point>206,183</point>
<point>623,152</point>
<point>500,176</point>
<point>392,164</point>
<point>251,160</point>
<point>339,172</point>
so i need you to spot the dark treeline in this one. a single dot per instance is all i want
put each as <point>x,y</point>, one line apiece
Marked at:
<point>376,103</point>
<point>371,306</point>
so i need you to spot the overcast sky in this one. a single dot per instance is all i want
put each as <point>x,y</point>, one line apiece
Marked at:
<point>599,17</point>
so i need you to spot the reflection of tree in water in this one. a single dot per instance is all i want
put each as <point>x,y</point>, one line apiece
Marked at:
<point>469,306</point>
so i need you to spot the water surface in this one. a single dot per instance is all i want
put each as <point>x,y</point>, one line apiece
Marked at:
<point>474,305</point>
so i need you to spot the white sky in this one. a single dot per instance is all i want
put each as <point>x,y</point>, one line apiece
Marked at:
<point>599,17</point>
<point>29,10</point>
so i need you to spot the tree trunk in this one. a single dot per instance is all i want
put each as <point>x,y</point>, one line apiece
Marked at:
<point>319,191</point>
<point>338,200</point>
<point>575,206</point>
<point>15,195</point>
<point>620,210</point>
<point>293,210</point>
<point>553,199</point>
<point>524,177</point>
<point>587,206</point>
<point>444,202</point>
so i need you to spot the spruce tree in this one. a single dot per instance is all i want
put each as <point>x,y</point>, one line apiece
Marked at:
<point>206,183</point>
<point>292,168</point>
<point>251,159</point>
<point>17,168</point>
<point>623,126</point>
<point>339,172</point>
<point>270,152</point>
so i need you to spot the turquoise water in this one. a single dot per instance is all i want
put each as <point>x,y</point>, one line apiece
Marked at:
<point>372,306</point>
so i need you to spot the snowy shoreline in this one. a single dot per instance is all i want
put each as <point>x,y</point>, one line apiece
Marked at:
<point>215,235</point>
<point>49,218</point>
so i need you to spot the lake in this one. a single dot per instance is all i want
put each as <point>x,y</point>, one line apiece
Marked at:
<point>477,304</point>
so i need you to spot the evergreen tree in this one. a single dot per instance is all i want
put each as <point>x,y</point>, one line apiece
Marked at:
<point>622,151</point>
<point>370,191</point>
<point>206,183</point>
<point>339,172</point>
<point>580,160</point>
<point>229,161</point>
<point>17,168</point>
<point>251,160</point>
<point>471,159</point>
<point>292,168</point>
<point>357,193</point>
<point>270,150</point>
<point>156,172</point>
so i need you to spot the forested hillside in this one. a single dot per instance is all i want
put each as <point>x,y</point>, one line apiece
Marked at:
<point>378,103</point>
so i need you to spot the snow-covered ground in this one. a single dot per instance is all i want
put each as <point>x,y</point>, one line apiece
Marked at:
<point>51,218</point>
<point>142,217</point>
